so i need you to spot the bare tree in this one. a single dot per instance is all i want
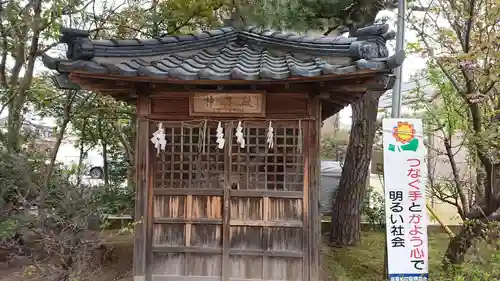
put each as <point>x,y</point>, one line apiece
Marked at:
<point>462,62</point>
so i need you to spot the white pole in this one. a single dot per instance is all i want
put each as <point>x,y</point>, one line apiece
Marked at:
<point>400,44</point>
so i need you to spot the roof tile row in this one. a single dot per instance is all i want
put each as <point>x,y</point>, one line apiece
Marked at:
<point>227,53</point>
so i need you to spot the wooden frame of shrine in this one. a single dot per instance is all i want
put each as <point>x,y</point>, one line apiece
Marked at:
<point>228,140</point>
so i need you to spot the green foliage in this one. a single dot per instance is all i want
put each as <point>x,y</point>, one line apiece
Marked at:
<point>374,209</point>
<point>8,228</point>
<point>305,15</point>
<point>108,126</point>
<point>55,228</point>
<point>334,146</point>
<point>16,183</point>
<point>115,200</point>
<point>118,165</point>
<point>447,113</point>
<point>152,19</point>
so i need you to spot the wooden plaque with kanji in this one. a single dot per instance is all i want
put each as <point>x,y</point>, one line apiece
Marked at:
<point>228,104</point>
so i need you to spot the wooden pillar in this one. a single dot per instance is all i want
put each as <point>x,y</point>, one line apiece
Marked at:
<point>315,167</point>
<point>141,193</point>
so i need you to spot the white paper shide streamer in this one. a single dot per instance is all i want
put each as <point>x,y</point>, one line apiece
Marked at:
<point>158,139</point>
<point>270,136</point>
<point>220,137</point>
<point>239,135</point>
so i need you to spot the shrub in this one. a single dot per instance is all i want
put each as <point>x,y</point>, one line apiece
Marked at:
<point>374,209</point>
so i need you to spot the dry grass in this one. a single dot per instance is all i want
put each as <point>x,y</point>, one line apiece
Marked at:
<point>366,261</point>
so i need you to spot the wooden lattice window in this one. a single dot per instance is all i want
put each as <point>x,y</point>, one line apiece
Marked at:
<point>257,167</point>
<point>192,159</point>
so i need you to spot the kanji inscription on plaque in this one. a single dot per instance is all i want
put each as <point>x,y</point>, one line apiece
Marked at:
<point>227,104</point>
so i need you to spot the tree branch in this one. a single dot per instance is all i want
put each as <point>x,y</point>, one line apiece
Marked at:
<point>330,30</point>
<point>470,20</point>
<point>456,177</point>
<point>3,62</point>
<point>126,144</point>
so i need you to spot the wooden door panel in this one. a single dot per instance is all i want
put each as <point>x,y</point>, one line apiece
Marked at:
<point>200,264</point>
<point>207,207</point>
<point>262,189</point>
<point>168,235</point>
<point>246,209</point>
<point>280,268</point>
<point>169,207</point>
<point>266,214</point>
<point>281,239</point>
<point>245,238</point>
<point>168,264</point>
<point>246,267</point>
<point>188,202</point>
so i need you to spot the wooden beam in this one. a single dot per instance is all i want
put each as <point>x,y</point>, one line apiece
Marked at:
<point>360,82</point>
<point>95,84</point>
<point>330,77</point>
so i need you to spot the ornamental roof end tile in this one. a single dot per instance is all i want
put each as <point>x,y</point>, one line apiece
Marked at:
<point>227,53</point>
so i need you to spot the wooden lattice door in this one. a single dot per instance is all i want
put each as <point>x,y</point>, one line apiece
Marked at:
<point>233,213</point>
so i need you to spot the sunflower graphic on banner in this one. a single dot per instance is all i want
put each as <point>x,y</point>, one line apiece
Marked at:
<point>404,136</point>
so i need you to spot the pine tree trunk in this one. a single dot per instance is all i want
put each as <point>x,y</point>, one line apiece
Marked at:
<point>346,213</point>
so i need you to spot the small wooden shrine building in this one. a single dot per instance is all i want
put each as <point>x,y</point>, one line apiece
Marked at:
<point>232,193</point>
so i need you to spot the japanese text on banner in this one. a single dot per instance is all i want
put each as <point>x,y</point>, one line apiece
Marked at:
<point>404,185</point>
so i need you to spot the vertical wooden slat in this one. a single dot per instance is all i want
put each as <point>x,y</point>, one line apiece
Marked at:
<point>141,191</point>
<point>189,209</point>
<point>181,166</point>
<point>208,147</point>
<point>163,167</point>
<point>191,157</point>
<point>172,158</point>
<point>198,167</point>
<point>265,217</point>
<point>285,152</point>
<point>150,157</point>
<point>306,142</point>
<point>315,220</point>
<point>266,152</point>
<point>187,230</point>
<point>247,157</point>
<point>226,228</point>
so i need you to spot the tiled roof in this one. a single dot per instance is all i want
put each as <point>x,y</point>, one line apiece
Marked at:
<point>227,54</point>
